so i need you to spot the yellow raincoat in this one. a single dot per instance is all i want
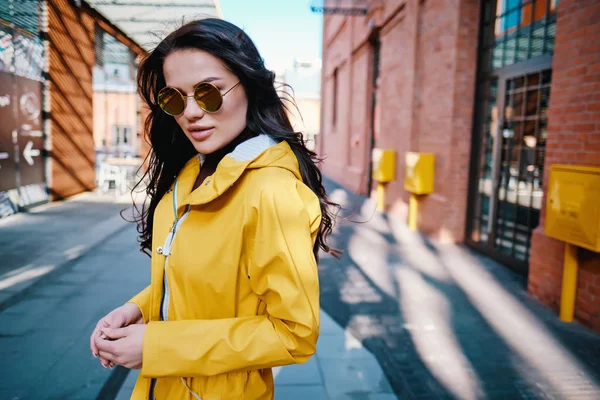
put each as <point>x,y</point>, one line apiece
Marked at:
<point>234,288</point>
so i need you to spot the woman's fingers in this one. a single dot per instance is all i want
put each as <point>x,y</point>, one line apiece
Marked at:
<point>105,350</point>
<point>96,333</point>
<point>114,334</point>
<point>93,347</point>
<point>108,329</point>
<point>103,323</point>
<point>105,363</point>
<point>106,356</point>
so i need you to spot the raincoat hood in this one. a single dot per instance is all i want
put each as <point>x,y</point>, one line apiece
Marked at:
<point>234,284</point>
<point>258,152</point>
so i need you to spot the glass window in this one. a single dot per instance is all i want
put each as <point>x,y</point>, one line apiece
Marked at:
<point>29,56</point>
<point>7,49</point>
<point>26,15</point>
<point>511,120</point>
<point>5,7</point>
<point>523,29</point>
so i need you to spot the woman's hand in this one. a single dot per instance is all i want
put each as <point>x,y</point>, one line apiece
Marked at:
<point>123,346</point>
<point>120,317</point>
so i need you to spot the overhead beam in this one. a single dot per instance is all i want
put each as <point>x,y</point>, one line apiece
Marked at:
<point>142,20</point>
<point>132,3</point>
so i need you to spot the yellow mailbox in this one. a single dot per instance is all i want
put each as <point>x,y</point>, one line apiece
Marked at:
<point>384,165</point>
<point>419,173</point>
<point>384,171</point>
<point>573,216</point>
<point>418,180</point>
<point>573,205</point>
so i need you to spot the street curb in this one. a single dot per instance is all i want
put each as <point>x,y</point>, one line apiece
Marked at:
<point>113,384</point>
<point>60,268</point>
<point>44,206</point>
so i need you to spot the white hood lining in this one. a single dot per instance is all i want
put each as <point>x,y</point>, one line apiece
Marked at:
<point>252,148</point>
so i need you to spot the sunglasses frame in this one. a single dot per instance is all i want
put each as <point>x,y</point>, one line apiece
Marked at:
<point>185,97</point>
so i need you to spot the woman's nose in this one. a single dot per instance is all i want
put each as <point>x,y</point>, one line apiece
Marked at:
<point>192,110</point>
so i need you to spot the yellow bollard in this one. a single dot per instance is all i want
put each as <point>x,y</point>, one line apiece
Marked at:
<point>380,196</point>
<point>413,206</point>
<point>569,284</point>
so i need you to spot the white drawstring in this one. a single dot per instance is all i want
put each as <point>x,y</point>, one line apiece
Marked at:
<point>201,158</point>
<point>191,391</point>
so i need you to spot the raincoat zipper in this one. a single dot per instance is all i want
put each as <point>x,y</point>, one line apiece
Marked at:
<point>166,251</point>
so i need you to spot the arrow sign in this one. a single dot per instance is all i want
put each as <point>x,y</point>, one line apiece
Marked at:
<point>30,152</point>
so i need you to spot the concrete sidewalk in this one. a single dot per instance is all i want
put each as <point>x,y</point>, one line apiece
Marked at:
<point>342,369</point>
<point>442,321</point>
<point>67,264</point>
<point>44,337</point>
<point>36,243</point>
<point>445,322</point>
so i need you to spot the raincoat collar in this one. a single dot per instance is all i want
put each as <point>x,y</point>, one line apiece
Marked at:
<point>257,152</point>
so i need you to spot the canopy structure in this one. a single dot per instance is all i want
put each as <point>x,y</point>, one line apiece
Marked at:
<point>149,21</point>
<point>344,7</point>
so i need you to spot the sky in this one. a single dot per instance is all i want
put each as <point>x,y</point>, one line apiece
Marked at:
<point>281,29</point>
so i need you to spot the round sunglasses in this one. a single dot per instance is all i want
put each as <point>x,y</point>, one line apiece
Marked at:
<point>208,97</point>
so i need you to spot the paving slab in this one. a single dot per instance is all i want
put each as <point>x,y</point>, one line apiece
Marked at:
<point>45,325</point>
<point>341,369</point>
<point>444,321</point>
<point>44,334</point>
<point>48,239</point>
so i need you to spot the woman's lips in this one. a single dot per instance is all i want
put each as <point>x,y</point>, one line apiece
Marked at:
<point>201,134</point>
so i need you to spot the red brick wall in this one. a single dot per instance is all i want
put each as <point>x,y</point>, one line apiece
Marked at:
<point>338,39</point>
<point>71,54</point>
<point>573,138</point>
<point>71,37</point>
<point>444,95</point>
<point>427,85</point>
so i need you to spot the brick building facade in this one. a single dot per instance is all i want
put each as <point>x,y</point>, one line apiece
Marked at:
<point>72,37</point>
<point>497,90</point>
<point>47,57</point>
<point>573,138</point>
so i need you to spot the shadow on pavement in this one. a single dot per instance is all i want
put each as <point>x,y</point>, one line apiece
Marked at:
<point>445,322</point>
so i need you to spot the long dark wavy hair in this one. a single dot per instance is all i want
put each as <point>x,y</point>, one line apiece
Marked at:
<point>171,149</point>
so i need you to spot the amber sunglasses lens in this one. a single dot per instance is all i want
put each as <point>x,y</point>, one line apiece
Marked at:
<point>208,97</point>
<point>171,101</point>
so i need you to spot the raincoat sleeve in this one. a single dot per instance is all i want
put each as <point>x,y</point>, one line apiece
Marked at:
<point>283,273</point>
<point>142,300</point>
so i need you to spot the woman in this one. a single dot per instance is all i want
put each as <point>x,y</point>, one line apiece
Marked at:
<point>237,214</point>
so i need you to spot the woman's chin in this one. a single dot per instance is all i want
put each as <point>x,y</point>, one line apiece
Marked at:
<point>210,144</point>
<point>207,146</point>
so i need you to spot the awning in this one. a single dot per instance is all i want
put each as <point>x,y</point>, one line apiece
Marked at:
<point>149,21</point>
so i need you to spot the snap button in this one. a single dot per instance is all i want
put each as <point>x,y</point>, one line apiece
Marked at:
<point>159,250</point>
